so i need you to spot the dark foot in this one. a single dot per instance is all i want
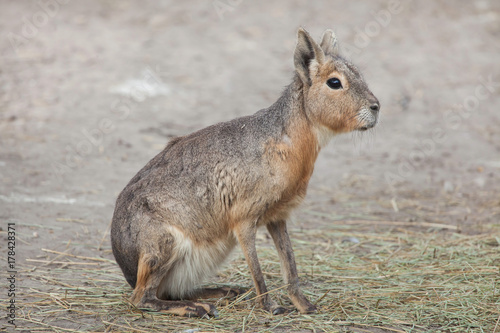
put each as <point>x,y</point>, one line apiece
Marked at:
<point>222,292</point>
<point>310,308</point>
<point>301,302</point>
<point>278,310</point>
<point>273,307</point>
<point>202,310</point>
<point>306,307</point>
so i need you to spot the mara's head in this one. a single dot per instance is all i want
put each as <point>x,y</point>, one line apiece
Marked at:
<point>336,97</point>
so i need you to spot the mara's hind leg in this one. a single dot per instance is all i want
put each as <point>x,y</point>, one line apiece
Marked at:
<point>212,293</point>
<point>149,276</point>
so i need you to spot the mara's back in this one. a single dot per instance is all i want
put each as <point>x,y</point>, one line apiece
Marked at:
<point>215,168</point>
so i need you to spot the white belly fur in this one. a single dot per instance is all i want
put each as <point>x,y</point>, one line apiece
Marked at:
<point>191,265</point>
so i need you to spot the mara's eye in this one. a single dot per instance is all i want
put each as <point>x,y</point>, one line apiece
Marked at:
<point>334,83</point>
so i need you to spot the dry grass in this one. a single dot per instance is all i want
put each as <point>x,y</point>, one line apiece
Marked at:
<point>398,280</point>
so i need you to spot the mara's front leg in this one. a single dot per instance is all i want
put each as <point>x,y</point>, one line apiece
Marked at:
<point>284,246</point>
<point>245,233</point>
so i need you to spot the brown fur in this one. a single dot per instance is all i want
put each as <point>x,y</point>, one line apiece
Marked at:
<point>179,218</point>
<point>143,273</point>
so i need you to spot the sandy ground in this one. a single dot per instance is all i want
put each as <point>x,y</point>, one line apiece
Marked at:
<point>91,90</point>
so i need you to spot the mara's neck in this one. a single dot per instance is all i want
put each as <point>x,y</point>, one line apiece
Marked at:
<point>296,123</point>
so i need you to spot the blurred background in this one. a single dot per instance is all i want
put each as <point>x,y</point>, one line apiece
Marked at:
<point>90,91</point>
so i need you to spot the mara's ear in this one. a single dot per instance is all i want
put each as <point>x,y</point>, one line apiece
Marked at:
<point>306,51</point>
<point>329,43</point>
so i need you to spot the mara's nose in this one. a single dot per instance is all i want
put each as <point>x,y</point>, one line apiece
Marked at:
<point>375,107</point>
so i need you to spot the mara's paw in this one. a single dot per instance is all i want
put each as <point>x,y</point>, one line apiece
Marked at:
<point>274,308</point>
<point>309,308</point>
<point>277,310</point>
<point>302,303</point>
<point>217,293</point>
<point>180,308</point>
<point>202,310</point>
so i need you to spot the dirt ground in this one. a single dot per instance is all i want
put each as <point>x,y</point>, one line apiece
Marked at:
<point>91,90</point>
